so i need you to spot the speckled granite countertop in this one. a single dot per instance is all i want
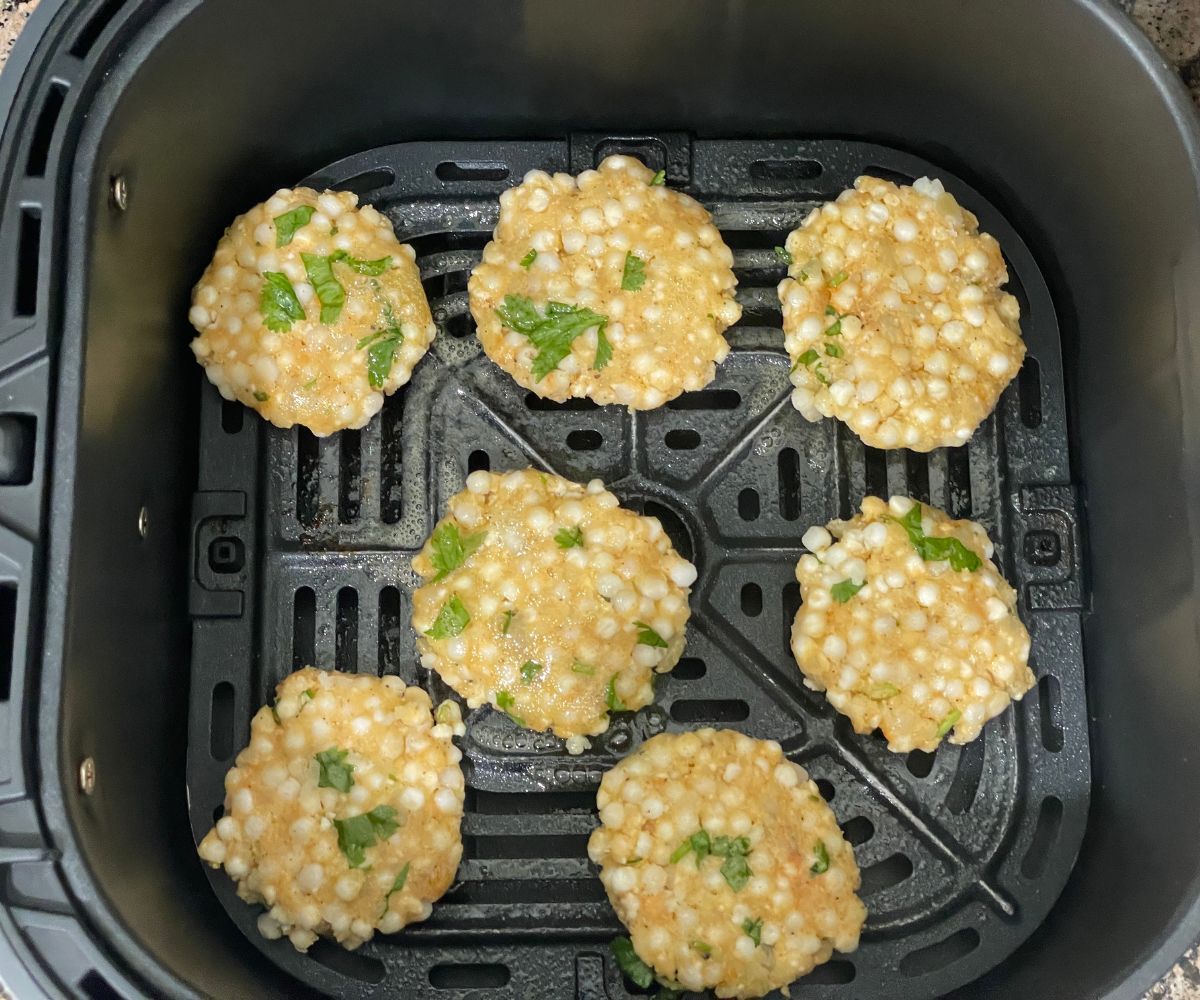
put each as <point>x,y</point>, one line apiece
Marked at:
<point>1174,26</point>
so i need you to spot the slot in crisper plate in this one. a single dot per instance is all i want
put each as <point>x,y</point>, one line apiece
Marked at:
<point>302,553</point>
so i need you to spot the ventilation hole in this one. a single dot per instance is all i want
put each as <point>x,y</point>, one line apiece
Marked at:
<point>1050,713</point>
<point>220,724</point>
<point>748,506</point>
<point>94,28</point>
<point>789,484</point>
<point>584,440</point>
<point>690,668</point>
<point>825,787</point>
<point>1029,389</point>
<point>391,462</point>
<point>885,874</point>
<point>43,131</point>
<point>707,399</point>
<point>8,631</point>
<point>391,628</point>
<point>919,763</point>
<point>673,525</point>
<point>916,475</point>
<point>368,180</point>
<point>526,803</point>
<point>835,973</point>
<point>652,152</point>
<point>29,240</point>
<point>349,476</point>
<point>682,439</point>
<point>304,628</point>
<point>517,892</point>
<point>308,484</point>
<point>796,169</point>
<point>791,604</point>
<point>233,416</point>
<point>471,170</point>
<point>539,405</point>
<point>525,846</point>
<point>958,474</point>
<point>18,448</point>
<point>710,710</point>
<point>752,604</point>
<point>966,778</point>
<point>858,830</point>
<point>96,987</point>
<point>345,632</point>
<point>226,554</point>
<point>354,964</point>
<point>1045,833</point>
<point>941,953</point>
<point>875,472</point>
<point>479,461</point>
<point>887,174</point>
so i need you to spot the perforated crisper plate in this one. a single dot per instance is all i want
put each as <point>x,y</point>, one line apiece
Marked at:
<point>302,553</point>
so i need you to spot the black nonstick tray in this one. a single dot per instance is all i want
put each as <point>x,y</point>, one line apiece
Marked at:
<point>302,549</point>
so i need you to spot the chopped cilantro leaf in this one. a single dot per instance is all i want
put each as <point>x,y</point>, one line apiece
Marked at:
<point>604,350</point>
<point>634,275</point>
<point>451,548</point>
<point>658,179</point>
<point>451,620</point>
<point>611,698</point>
<point>261,396</point>
<point>357,833</point>
<point>648,637</point>
<point>937,549</point>
<point>553,333</point>
<point>527,261</point>
<point>837,279</point>
<point>330,292</point>
<point>833,350</point>
<point>530,670</point>
<point>634,969</point>
<point>579,667</point>
<point>396,886</point>
<point>278,303</point>
<point>835,328</point>
<point>308,693</point>
<point>703,947</point>
<point>373,268</point>
<point>736,870</point>
<point>830,311</point>
<point>508,617</point>
<point>842,592</point>
<point>753,930</point>
<point>568,538</point>
<point>821,865</point>
<point>506,703</point>
<point>882,692</point>
<point>783,255</point>
<point>287,224</point>
<point>808,357</point>
<point>335,772</point>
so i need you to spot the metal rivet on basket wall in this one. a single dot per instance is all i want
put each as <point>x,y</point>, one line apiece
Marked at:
<point>87,776</point>
<point>120,192</point>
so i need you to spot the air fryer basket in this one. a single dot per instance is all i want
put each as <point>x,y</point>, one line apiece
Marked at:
<point>303,549</point>
<point>164,559</point>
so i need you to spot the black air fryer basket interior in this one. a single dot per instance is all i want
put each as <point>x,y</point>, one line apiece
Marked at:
<point>166,558</point>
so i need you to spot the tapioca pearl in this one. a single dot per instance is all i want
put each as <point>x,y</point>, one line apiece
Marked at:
<point>834,647</point>
<point>995,609</point>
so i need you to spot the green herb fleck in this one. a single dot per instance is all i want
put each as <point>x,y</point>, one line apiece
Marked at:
<point>882,692</point>
<point>528,259</point>
<point>506,703</point>
<point>833,350</point>
<point>804,276</point>
<point>634,275</point>
<point>835,328</point>
<point>604,350</point>
<point>308,693</point>
<point>819,372</point>
<point>447,713</point>
<point>396,886</point>
<point>530,670</point>
<point>311,382</point>
<point>830,311</point>
<point>648,637</point>
<point>821,865</point>
<point>451,620</point>
<point>372,268</point>
<point>330,292</point>
<point>699,842</point>
<point>937,549</point>
<point>333,230</point>
<point>837,279</point>
<point>736,870</point>
<point>635,861</point>
<point>807,358</point>
<point>451,549</point>
<point>553,333</point>
<point>635,970</point>
<point>728,847</point>
<point>948,722</point>
<point>261,396</point>
<point>703,947</point>
<point>783,255</point>
<point>658,179</point>
<point>357,833</point>
<point>569,538</point>
<point>842,592</point>
<point>611,698</point>
<point>335,772</point>
<point>753,930</point>
<point>278,303</point>
<point>287,224</point>
<point>579,667</point>
<point>508,617</point>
